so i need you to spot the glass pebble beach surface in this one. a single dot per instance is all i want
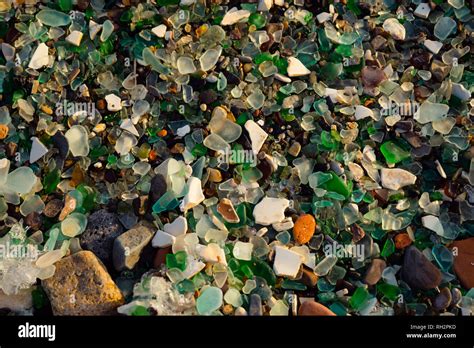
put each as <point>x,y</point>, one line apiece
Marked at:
<point>222,157</point>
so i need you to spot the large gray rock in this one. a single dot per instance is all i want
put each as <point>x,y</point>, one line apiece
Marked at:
<point>101,231</point>
<point>129,245</point>
<point>418,271</point>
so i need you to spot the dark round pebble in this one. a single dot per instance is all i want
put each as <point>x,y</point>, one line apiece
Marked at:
<point>442,300</point>
<point>101,231</point>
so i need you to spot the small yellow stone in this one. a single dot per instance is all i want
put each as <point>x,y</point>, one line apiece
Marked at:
<point>5,6</point>
<point>69,207</point>
<point>34,87</point>
<point>231,116</point>
<point>99,128</point>
<point>304,228</point>
<point>3,131</point>
<point>248,67</point>
<point>214,175</point>
<point>228,309</point>
<point>201,30</point>
<point>46,109</point>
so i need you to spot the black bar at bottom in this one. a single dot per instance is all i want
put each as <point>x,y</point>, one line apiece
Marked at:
<point>317,331</point>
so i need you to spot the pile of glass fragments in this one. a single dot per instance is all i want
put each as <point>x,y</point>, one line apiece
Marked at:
<point>221,157</point>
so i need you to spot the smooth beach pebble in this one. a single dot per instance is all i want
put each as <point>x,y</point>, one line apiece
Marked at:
<point>3,131</point>
<point>312,308</point>
<point>304,228</point>
<point>402,240</point>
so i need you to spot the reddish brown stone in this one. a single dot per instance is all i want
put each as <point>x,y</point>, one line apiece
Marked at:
<point>463,251</point>
<point>372,76</point>
<point>160,256</point>
<point>357,233</point>
<point>381,195</point>
<point>53,207</point>
<point>226,209</point>
<point>402,240</point>
<point>309,278</point>
<point>34,221</point>
<point>313,308</point>
<point>374,272</point>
